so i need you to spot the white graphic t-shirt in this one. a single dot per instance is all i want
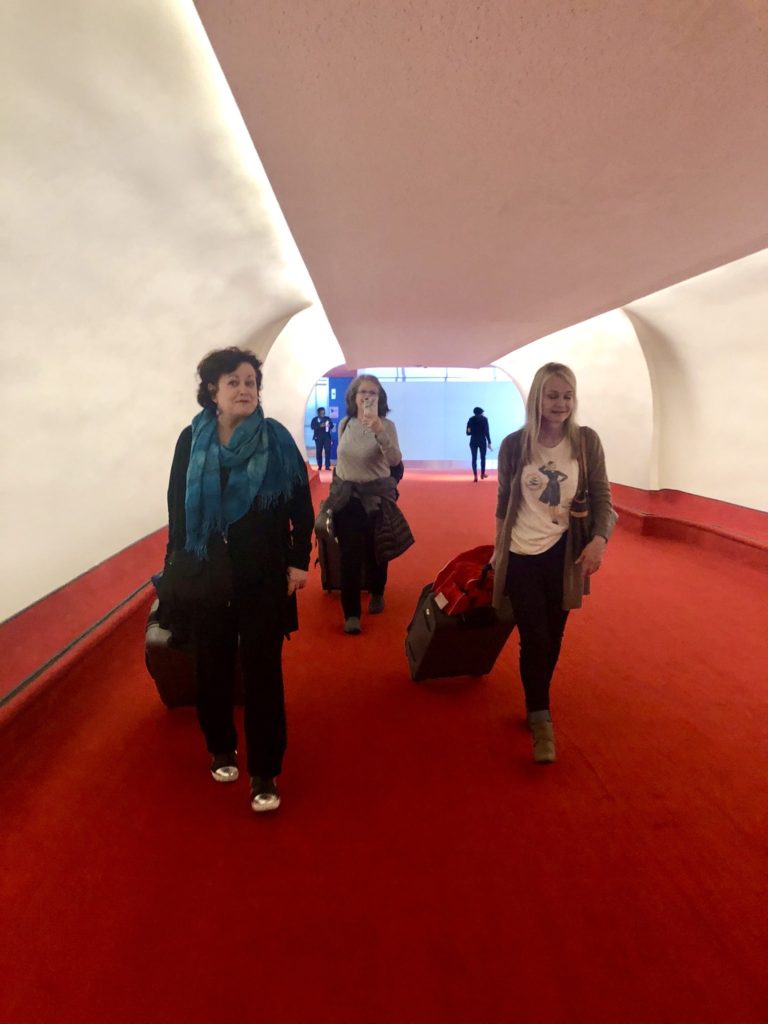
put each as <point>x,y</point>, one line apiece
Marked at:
<point>548,486</point>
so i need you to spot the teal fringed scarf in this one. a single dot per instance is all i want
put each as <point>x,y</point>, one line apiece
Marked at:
<point>265,467</point>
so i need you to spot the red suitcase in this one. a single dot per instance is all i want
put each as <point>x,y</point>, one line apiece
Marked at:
<point>467,640</point>
<point>466,582</point>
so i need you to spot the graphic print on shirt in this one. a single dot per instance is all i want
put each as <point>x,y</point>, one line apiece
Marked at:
<point>551,493</point>
<point>548,485</point>
<point>545,482</point>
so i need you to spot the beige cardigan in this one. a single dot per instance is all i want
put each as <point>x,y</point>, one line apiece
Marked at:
<point>602,518</point>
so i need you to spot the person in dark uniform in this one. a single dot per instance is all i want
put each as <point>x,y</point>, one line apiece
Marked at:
<point>321,427</point>
<point>479,440</point>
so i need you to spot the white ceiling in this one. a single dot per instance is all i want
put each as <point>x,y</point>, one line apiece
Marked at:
<point>464,177</point>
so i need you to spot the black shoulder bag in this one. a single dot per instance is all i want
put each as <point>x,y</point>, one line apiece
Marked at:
<point>581,510</point>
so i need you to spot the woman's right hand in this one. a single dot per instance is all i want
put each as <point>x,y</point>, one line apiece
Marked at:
<point>369,414</point>
<point>373,423</point>
<point>591,558</point>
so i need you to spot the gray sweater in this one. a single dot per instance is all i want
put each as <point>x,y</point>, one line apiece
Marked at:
<point>361,456</point>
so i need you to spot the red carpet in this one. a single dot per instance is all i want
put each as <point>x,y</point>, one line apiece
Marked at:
<point>422,869</point>
<point>39,633</point>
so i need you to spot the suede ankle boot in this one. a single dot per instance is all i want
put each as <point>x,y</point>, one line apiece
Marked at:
<point>543,742</point>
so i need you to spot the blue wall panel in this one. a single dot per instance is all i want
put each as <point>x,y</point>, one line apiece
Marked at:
<point>431,416</point>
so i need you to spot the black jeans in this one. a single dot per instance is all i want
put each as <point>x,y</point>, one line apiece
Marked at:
<point>474,446</point>
<point>257,631</point>
<point>535,588</point>
<point>354,528</point>
<point>323,444</point>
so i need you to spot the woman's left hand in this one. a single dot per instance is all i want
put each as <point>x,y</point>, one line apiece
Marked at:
<point>591,558</point>
<point>297,579</point>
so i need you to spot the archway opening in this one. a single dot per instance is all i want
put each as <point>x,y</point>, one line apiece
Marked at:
<point>430,407</point>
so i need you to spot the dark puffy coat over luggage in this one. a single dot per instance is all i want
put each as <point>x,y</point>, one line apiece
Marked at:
<point>392,534</point>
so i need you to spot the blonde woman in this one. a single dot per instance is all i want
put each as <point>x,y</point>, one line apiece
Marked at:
<point>544,555</point>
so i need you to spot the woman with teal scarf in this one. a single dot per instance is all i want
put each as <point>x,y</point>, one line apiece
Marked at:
<point>240,475</point>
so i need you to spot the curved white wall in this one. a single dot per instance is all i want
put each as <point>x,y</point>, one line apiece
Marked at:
<point>705,342</point>
<point>141,232</point>
<point>304,350</point>
<point>614,388</point>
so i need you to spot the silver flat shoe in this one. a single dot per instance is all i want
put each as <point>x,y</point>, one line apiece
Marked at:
<point>264,795</point>
<point>224,767</point>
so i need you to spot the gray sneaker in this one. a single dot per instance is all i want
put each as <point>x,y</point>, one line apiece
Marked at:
<point>376,604</point>
<point>352,625</point>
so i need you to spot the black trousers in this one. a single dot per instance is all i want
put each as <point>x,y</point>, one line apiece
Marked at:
<point>535,588</point>
<point>354,528</point>
<point>474,447</point>
<point>255,631</point>
<point>323,444</point>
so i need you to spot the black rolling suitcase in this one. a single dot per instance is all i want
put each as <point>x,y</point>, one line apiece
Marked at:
<point>329,562</point>
<point>329,559</point>
<point>439,645</point>
<point>168,657</point>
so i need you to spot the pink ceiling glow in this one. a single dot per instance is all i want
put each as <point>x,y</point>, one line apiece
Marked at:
<point>464,177</point>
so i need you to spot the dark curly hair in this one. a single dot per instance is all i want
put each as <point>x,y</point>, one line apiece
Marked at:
<point>218,363</point>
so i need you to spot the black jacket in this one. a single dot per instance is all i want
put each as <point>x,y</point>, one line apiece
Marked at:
<point>478,429</point>
<point>262,544</point>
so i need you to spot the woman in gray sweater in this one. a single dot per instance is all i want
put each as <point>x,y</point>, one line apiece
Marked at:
<point>367,450</point>
<point>545,554</point>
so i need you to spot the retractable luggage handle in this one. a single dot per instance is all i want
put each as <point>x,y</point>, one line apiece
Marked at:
<point>471,588</point>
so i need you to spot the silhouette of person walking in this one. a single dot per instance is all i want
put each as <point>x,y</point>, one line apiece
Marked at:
<point>479,440</point>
